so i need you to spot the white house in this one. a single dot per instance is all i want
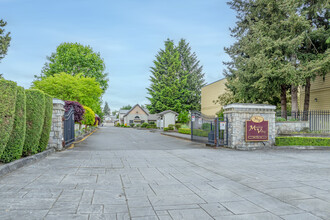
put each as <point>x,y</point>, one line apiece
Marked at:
<point>166,118</point>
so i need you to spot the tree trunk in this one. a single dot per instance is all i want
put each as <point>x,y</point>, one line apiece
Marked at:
<point>307,98</point>
<point>283,102</point>
<point>294,98</point>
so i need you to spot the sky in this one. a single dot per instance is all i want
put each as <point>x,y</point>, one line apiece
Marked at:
<point>127,33</point>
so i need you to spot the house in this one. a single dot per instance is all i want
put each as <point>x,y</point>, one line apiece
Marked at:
<point>319,94</point>
<point>209,94</point>
<point>121,114</point>
<point>166,118</point>
<point>138,115</point>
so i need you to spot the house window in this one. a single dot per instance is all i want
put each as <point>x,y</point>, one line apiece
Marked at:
<point>131,121</point>
<point>137,117</point>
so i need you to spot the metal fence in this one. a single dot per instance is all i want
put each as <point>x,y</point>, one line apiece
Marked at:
<point>319,120</point>
<point>209,129</point>
<point>68,118</point>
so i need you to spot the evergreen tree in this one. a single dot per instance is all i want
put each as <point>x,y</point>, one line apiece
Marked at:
<point>4,39</point>
<point>106,109</point>
<point>176,79</point>
<point>263,67</point>
<point>192,69</point>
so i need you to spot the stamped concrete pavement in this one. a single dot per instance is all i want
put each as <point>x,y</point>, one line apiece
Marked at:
<point>120,173</point>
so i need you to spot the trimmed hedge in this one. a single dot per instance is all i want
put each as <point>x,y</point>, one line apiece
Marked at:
<point>14,147</point>
<point>47,123</point>
<point>302,141</point>
<point>35,114</point>
<point>166,129</point>
<point>7,111</point>
<point>184,130</point>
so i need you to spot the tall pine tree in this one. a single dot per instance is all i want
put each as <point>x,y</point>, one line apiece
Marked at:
<point>106,109</point>
<point>176,79</point>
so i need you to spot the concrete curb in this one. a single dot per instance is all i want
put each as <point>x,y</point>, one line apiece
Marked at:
<point>176,136</point>
<point>10,167</point>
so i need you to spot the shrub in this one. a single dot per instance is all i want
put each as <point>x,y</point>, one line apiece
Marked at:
<point>206,126</point>
<point>166,129</point>
<point>14,147</point>
<point>170,127</point>
<point>178,126</point>
<point>280,119</point>
<point>122,125</point>
<point>89,116</point>
<point>7,111</point>
<point>35,113</point>
<point>138,125</point>
<point>132,125</point>
<point>118,124</point>
<point>184,130</point>
<point>151,123</point>
<point>97,120</point>
<point>183,117</point>
<point>302,141</point>
<point>144,125</point>
<point>78,110</point>
<point>184,126</point>
<point>47,123</point>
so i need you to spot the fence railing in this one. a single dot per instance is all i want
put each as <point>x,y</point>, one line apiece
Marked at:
<point>319,120</point>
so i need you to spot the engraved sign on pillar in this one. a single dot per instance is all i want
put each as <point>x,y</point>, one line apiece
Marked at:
<point>256,129</point>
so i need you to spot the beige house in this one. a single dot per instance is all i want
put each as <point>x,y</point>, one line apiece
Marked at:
<point>138,115</point>
<point>209,94</point>
<point>319,94</point>
<point>166,118</point>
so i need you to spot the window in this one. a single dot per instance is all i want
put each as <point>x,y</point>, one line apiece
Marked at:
<point>137,117</point>
<point>131,121</point>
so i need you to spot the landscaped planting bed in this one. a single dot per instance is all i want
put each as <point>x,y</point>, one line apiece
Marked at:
<point>302,141</point>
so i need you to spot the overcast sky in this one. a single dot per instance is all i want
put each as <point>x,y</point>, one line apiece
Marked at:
<point>127,33</point>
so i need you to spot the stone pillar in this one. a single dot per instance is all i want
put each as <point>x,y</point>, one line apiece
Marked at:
<point>57,132</point>
<point>238,114</point>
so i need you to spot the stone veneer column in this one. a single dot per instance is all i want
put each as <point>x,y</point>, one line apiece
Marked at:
<point>237,115</point>
<point>57,132</point>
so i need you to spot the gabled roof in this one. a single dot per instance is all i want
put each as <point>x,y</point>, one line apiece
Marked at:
<point>168,111</point>
<point>123,111</point>
<point>134,107</point>
<point>153,117</point>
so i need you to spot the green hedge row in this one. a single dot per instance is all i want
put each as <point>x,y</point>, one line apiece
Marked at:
<point>7,111</point>
<point>14,147</point>
<point>302,141</point>
<point>25,121</point>
<point>184,130</point>
<point>35,114</point>
<point>47,123</point>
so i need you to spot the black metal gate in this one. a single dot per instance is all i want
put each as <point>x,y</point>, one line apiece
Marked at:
<point>209,129</point>
<point>69,136</point>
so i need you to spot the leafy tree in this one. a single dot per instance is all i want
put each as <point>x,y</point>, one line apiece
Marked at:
<point>79,110</point>
<point>73,59</point>
<point>106,109</point>
<point>194,71</point>
<point>184,117</point>
<point>126,107</point>
<point>89,116</point>
<point>84,90</point>
<point>263,67</point>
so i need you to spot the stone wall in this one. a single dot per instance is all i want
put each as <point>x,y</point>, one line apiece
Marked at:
<point>288,127</point>
<point>57,131</point>
<point>238,114</point>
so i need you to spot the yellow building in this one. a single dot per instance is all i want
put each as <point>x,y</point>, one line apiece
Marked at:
<point>210,93</point>
<point>319,95</point>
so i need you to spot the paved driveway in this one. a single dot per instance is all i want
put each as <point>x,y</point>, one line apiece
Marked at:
<point>120,173</point>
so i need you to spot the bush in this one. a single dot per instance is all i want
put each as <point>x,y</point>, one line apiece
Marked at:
<point>178,126</point>
<point>7,111</point>
<point>118,124</point>
<point>206,126</point>
<point>144,125</point>
<point>280,119</point>
<point>132,125</point>
<point>302,141</point>
<point>151,123</point>
<point>122,125</point>
<point>47,123</point>
<point>14,147</point>
<point>201,133</point>
<point>183,117</point>
<point>166,129</point>
<point>171,127</point>
<point>35,113</point>
<point>89,116</point>
<point>78,110</point>
<point>97,120</point>
<point>184,130</point>
<point>184,126</point>
<point>151,126</point>
<point>138,125</point>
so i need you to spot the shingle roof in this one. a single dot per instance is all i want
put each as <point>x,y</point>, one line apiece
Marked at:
<point>168,111</point>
